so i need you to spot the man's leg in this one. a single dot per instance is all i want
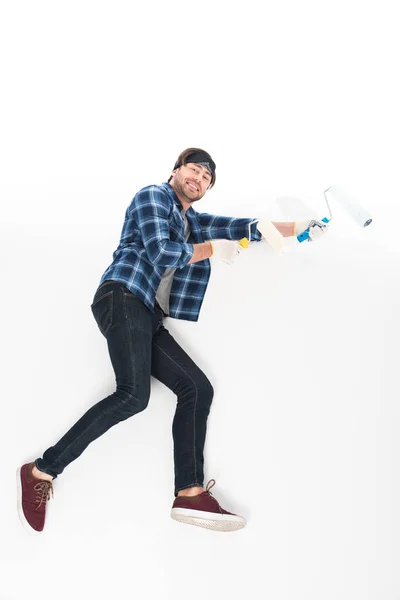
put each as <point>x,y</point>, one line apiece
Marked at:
<point>129,328</point>
<point>172,366</point>
<point>192,505</point>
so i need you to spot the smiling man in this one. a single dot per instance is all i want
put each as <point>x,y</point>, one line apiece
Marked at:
<point>161,268</point>
<point>191,181</point>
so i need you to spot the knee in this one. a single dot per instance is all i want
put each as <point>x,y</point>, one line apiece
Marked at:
<point>196,392</point>
<point>133,401</point>
<point>205,393</point>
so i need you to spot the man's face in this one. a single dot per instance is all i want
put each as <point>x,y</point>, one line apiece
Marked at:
<point>191,181</point>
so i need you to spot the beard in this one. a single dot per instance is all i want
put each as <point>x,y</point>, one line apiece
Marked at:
<point>181,189</point>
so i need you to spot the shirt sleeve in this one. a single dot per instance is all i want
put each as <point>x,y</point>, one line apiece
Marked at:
<point>216,227</point>
<point>151,209</point>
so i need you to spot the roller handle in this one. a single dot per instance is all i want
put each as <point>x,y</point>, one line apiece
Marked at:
<point>306,234</point>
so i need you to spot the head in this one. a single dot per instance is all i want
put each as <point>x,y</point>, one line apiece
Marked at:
<point>193,175</point>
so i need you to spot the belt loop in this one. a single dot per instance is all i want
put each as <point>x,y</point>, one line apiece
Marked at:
<point>159,307</point>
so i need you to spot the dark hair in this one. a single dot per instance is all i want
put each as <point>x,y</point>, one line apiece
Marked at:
<point>184,158</point>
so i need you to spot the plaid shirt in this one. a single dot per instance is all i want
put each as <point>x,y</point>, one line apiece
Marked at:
<point>152,240</point>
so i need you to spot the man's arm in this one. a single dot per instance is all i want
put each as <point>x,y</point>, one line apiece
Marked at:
<point>286,229</point>
<point>201,252</point>
<point>217,227</point>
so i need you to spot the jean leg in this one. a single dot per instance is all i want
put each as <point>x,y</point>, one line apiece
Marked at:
<point>172,366</point>
<point>128,327</point>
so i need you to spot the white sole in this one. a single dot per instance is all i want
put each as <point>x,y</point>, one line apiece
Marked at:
<point>208,520</point>
<point>21,515</point>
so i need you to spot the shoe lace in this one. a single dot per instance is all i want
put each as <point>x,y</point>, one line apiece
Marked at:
<point>208,487</point>
<point>211,484</point>
<point>43,489</point>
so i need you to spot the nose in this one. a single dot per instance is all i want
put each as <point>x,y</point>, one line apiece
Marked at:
<point>197,176</point>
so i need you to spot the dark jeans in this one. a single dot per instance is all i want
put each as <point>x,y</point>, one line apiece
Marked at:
<point>140,346</point>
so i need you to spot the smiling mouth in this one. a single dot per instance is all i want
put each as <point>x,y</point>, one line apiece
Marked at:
<point>193,187</point>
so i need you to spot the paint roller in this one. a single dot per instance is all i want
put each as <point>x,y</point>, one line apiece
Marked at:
<point>359,214</point>
<point>276,240</point>
<point>269,231</point>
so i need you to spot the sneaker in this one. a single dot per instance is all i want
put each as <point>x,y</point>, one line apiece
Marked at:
<point>33,493</point>
<point>203,510</point>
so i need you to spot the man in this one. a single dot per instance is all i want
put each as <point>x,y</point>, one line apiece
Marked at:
<point>160,268</point>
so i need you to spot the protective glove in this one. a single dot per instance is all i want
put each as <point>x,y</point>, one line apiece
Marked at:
<point>226,250</point>
<point>317,228</point>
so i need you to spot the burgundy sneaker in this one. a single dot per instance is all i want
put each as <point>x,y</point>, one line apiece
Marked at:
<point>33,493</point>
<point>203,510</point>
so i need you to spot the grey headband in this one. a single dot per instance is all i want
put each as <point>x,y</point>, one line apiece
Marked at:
<point>200,158</point>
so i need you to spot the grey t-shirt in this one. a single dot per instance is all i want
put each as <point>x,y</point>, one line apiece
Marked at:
<point>164,289</point>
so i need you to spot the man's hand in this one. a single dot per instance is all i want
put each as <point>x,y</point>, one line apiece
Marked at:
<point>226,250</point>
<point>317,228</point>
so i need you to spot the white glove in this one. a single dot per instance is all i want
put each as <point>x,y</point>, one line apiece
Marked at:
<point>225,250</point>
<point>317,228</point>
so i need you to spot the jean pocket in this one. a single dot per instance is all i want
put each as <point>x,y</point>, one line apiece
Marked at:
<point>127,292</point>
<point>102,309</point>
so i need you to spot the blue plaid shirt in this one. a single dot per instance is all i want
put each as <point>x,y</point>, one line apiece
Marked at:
<point>152,240</point>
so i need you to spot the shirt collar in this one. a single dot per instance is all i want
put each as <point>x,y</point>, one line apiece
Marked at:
<point>171,192</point>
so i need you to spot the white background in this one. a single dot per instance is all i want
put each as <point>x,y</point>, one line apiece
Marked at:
<point>98,99</point>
